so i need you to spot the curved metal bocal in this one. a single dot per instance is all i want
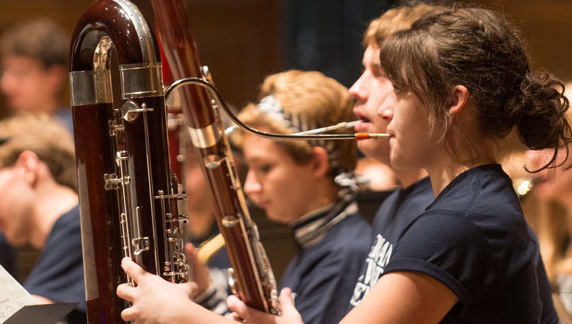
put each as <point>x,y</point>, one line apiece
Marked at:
<point>305,135</point>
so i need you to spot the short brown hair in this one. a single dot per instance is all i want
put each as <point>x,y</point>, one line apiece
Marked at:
<point>391,21</point>
<point>40,39</point>
<point>320,100</point>
<point>44,136</point>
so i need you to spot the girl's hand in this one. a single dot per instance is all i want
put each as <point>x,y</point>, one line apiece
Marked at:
<point>245,314</point>
<point>153,300</point>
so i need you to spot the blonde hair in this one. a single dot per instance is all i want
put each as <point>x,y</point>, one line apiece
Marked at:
<point>319,100</point>
<point>44,136</point>
<point>391,21</point>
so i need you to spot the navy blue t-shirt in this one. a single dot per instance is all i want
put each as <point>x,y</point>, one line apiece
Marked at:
<point>58,273</point>
<point>322,276</point>
<point>220,258</point>
<point>473,238</point>
<point>395,214</point>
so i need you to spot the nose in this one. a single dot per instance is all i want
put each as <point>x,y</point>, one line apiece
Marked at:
<point>357,90</point>
<point>385,111</point>
<point>251,184</point>
<point>8,83</point>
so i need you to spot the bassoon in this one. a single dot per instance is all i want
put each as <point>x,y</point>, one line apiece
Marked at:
<point>128,193</point>
<point>253,280</point>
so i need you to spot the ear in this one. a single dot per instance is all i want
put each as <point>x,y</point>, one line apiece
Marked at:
<point>30,163</point>
<point>320,163</point>
<point>459,99</point>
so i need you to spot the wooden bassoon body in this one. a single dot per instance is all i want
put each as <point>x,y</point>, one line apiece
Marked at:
<point>129,196</point>
<point>253,279</point>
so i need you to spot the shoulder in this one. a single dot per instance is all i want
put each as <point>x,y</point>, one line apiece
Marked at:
<point>352,233</point>
<point>345,243</point>
<point>65,232</point>
<point>434,229</point>
<point>67,226</point>
<point>404,206</point>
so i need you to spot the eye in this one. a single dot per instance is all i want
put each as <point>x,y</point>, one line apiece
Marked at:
<point>262,168</point>
<point>378,72</point>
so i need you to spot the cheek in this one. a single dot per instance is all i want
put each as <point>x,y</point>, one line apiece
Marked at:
<point>195,180</point>
<point>407,152</point>
<point>33,89</point>
<point>377,95</point>
<point>561,184</point>
<point>289,195</point>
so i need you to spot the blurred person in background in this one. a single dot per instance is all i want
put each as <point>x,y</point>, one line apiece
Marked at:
<point>34,65</point>
<point>39,206</point>
<point>552,190</point>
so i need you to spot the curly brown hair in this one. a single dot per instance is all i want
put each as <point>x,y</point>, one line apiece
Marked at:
<point>478,49</point>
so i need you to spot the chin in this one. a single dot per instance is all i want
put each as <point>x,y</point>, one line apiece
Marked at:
<point>17,243</point>
<point>275,218</point>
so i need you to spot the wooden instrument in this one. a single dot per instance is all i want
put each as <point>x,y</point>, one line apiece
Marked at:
<point>253,280</point>
<point>128,195</point>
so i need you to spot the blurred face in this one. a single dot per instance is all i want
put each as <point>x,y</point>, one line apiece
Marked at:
<point>409,143</point>
<point>15,206</point>
<point>27,85</point>
<point>283,188</point>
<point>195,184</point>
<point>369,92</point>
<point>552,183</point>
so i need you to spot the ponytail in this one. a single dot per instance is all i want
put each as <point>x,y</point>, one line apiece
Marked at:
<point>543,123</point>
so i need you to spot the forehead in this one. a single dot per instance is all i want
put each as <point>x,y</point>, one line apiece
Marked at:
<point>21,62</point>
<point>260,148</point>
<point>371,56</point>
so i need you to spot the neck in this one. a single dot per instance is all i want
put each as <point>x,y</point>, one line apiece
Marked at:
<point>52,107</point>
<point>48,106</point>
<point>52,201</point>
<point>325,194</point>
<point>448,167</point>
<point>409,177</point>
<point>565,201</point>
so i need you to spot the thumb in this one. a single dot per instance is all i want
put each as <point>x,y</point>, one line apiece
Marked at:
<point>286,300</point>
<point>289,312</point>
<point>200,270</point>
<point>237,306</point>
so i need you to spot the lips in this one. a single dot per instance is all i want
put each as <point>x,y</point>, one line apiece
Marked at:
<point>264,204</point>
<point>364,123</point>
<point>258,202</point>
